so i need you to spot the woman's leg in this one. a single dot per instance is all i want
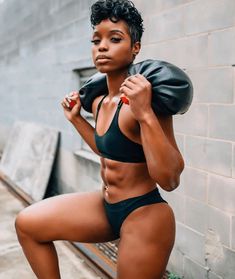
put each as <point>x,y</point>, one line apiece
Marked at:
<point>147,238</point>
<point>73,217</point>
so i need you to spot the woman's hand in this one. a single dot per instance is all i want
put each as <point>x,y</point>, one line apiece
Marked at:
<point>71,110</point>
<point>138,90</point>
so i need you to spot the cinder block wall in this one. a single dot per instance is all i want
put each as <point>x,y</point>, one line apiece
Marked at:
<point>199,36</point>
<point>41,42</point>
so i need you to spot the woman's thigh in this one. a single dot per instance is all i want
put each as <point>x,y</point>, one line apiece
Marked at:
<point>147,238</point>
<point>74,217</point>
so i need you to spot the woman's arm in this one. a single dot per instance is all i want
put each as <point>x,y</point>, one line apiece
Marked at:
<point>86,131</point>
<point>163,158</point>
<point>81,125</point>
<point>164,161</point>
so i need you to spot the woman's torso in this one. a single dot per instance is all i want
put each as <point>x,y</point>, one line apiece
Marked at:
<point>126,179</point>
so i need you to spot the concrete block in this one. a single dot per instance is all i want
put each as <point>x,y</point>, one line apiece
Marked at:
<point>223,263</point>
<point>81,7</point>
<point>233,161</point>
<point>173,3</point>
<point>7,120</point>
<point>212,85</point>
<point>183,52</point>
<point>38,38</point>
<point>233,233</point>
<point>16,256</point>
<point>194,122</point>
<point>195,215</point>
<point>221,119</point>
<point>73,31</point>
<point>212,275</point>
<point>28,157</point>
<point>211,155</point>
<point>69,12</point>
<point>72,266</point>
<point>90,172</point>
<point>4,132</point>
<point>176,262</point>
<point>76,139</point>
<point>221,46</point>
<point>221,193</point>
<point>85,146</point>
<point>157,6</point>
<point>192,269</point>
<point>233,84</point>
<point>195,184</point>
<point>67,32</point>
<point>180,189</point>
<point>166,25</point>
<point>76,173</point>
<point>177,202</point>
<point>45,58</point>
<point>213,14</point>
<point>75,51</point>
<point>190,242</point>
<point>67,141</point>
<point>218,222</point>
<point>213,247</point>
<point>180,142</point>
<point>67,169</point>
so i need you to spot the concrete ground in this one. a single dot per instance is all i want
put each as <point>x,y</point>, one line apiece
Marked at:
<point>13,264</point>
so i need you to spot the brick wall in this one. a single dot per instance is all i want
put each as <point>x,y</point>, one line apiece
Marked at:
<point>41,42</point>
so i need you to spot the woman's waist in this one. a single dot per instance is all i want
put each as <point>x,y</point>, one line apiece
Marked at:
<point>117,192</point>
<point>118,174</point>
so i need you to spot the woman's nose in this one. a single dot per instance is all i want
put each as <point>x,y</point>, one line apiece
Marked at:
<point>103,46</point>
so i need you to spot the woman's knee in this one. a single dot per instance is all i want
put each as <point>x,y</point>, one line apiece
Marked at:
<point>23,223</point>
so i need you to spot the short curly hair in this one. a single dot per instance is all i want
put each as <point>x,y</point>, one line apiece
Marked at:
<point>116,10</point>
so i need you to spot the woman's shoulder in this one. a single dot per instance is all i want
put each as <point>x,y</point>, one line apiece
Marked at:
<point>95,104</point>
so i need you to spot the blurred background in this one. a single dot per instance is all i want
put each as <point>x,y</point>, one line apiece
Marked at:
<point>45,54</point>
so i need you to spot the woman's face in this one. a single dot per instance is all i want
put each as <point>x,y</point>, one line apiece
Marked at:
<point>112,49</point>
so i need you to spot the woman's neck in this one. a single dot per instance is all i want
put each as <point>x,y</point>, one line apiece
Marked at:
<point>114,81</point>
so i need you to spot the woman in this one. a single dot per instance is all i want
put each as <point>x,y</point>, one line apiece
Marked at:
<point>137,150</point>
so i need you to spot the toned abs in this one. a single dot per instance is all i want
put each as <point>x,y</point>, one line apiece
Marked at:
<point>124,180</point>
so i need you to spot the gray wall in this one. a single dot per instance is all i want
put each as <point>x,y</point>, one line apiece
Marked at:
<point>41,42</point>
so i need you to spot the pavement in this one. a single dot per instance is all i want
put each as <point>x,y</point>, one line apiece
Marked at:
<point>13,264</point>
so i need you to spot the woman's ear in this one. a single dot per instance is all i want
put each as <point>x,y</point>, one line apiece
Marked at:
<point>136,49</point>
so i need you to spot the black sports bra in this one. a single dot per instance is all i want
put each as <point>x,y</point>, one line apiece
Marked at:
<point>115,145</point>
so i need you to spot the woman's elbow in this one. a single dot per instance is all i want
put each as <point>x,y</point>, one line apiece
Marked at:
<point>169,180</point>
<point>171,183</point>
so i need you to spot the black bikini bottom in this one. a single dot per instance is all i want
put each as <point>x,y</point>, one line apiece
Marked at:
<point>117,212</point>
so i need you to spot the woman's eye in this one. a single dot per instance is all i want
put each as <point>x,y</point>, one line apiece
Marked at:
<point>95,41</point>
<point>116,40</point>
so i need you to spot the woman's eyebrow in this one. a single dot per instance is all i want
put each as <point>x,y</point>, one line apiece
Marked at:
<point>111,31</point>
<point>95,33</point>
<point>117,31</point>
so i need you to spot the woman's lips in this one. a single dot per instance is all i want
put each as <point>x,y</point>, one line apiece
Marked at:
<point>102,58</point>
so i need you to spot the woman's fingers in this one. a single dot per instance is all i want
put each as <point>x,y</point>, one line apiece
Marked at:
<point>65,103</point>
<point>128,89</point>
<point>70,100</point>
<point>73,95</point>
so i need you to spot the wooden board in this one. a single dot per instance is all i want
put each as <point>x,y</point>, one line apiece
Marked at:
<point>28,157</point>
